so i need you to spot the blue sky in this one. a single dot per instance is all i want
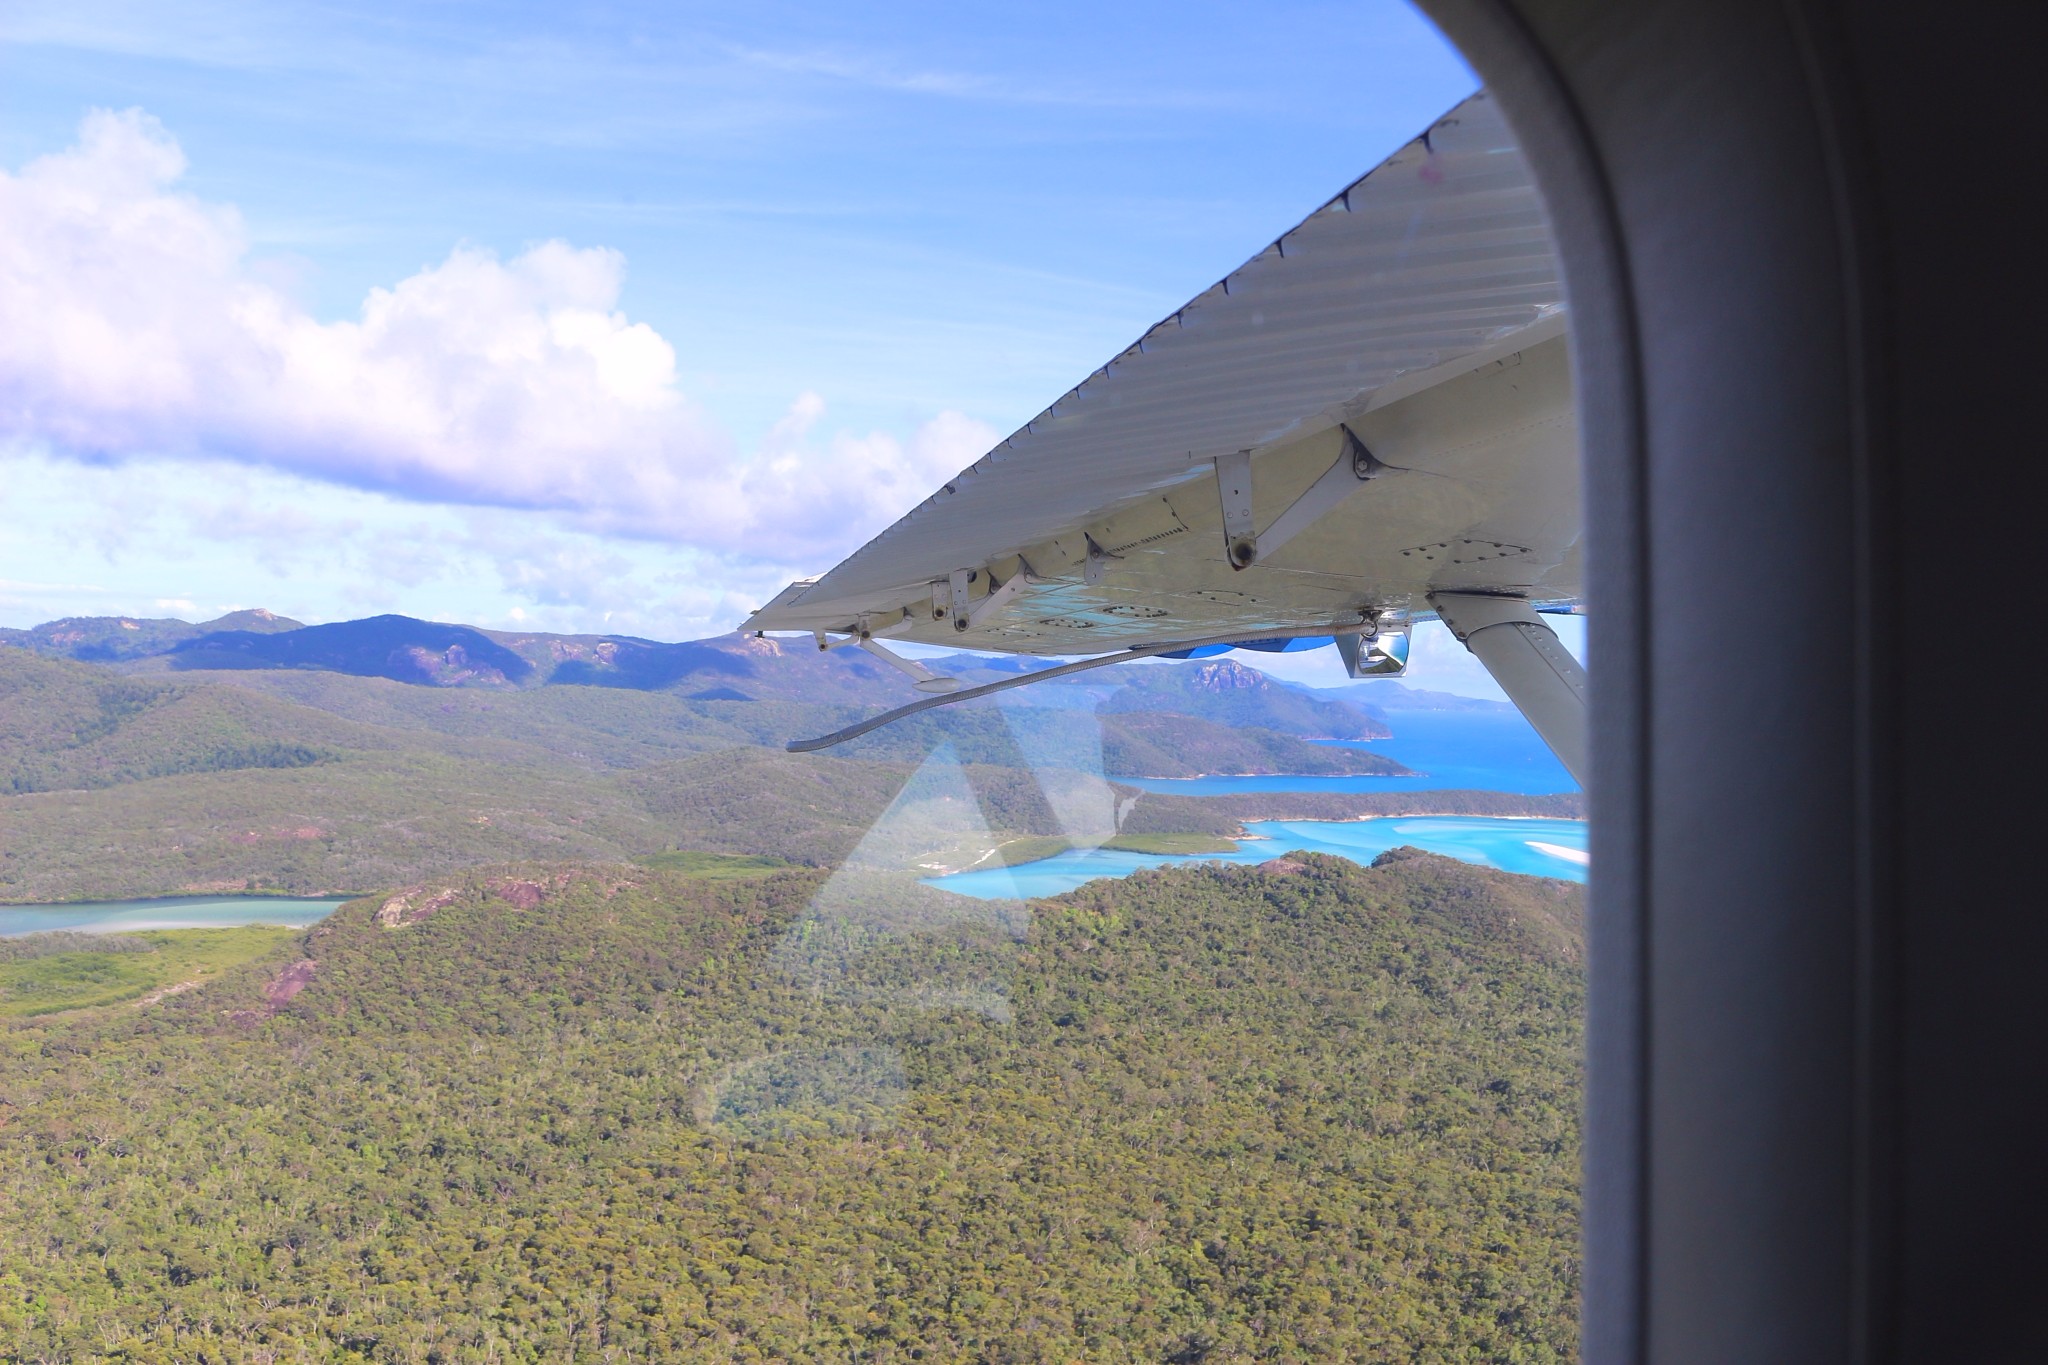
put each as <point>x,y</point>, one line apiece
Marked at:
<point>612,317</point>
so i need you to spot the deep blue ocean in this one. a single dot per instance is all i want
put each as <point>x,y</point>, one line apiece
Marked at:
<point>1483,751</point>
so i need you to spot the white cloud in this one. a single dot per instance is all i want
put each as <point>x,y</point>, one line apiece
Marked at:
<point>212,533</point>
<point>555,573</point>
<point>136,323</point>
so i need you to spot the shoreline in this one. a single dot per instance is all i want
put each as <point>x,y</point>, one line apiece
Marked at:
<point>208,896</point>
<point>1246,836</point>
<point>1205,777</point>
<point>1571,855</point>
<point>1405,815</point>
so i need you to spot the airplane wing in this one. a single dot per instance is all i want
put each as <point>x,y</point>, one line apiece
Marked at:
<point>1368,419</point>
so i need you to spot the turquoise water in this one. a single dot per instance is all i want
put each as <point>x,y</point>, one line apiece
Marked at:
<point>1505,844</point>
<point>1482,751</point>
<point>1487,751</point>
<point>168,912</point>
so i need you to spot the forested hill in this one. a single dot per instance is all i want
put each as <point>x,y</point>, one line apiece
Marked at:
<point>118,639</point>
<point>114,786</point>
<point>444,654</point>
<point>1229,693</point>
<point>1308,1112</point>
<point>723,668</point>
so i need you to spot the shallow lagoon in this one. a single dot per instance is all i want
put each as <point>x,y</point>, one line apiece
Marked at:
<point>1488,751</point>
<point>1483,751</point>
<point>1511,845</point>
<point>166,912</point>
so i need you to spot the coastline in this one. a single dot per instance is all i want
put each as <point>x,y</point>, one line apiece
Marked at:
<point>1492,842</point>
<point>165,914</point>
<point>169,897</point>
<point>1225,813</point>
<point>1205,777</point>
<point>1244,835</point>
<point>1052,846</point>
<point>1570,855</point>
<point>1407,815</point>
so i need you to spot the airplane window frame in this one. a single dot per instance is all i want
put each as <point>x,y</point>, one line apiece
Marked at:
<point>1789,235</point>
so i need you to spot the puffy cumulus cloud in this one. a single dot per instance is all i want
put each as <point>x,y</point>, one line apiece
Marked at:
<point>873,479</point>
<point>224,536</point>
<point>136,323</point>
<point>551,572</point>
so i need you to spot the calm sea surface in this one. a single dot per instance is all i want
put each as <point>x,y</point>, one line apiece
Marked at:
<point>1484,751</point>
<point>1511,845</point>
<point>169,912</point>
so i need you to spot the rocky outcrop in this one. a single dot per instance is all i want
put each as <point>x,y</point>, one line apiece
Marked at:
<point>1226,692</point>
<point>413,905</point>
<point>1226,676</point>
<point>278,992</point>
<point>532,890</point>
<point>525,890</point>
<point>521,893</point>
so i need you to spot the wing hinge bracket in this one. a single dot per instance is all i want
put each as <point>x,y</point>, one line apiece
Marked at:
<point>1234,489</point>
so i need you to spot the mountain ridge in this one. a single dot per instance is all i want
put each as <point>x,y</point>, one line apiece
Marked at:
<point>117,639</point>
<point>115,785</point>
<point>726,668</point>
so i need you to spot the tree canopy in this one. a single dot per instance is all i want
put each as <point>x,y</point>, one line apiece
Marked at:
<point>581,1112</point>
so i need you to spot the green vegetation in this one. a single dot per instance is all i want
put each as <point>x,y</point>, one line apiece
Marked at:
<point>118,639</point>
<point>1222,697</point>
<point>1321,1112</point>
<point>678,1092</point>
<point>1117,743</point>
<point>1228,693</point>
<point>307,783</point>
<point>1156,721</point>
<point>1157,744</point>
<point>1036,848</point>
<point>1226,815</point>
<point>1171,843</point>
<point>23,947</point>
<point>1030,849</point>
<point>693,863</point>
<point>66,974</point>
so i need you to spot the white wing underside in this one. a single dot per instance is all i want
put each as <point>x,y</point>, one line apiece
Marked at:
<point>1418,314</point>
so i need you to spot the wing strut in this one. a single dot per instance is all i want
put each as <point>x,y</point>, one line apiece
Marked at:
<point>805,746</point>
<point>922,678</point>
<point>1531,665</point>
